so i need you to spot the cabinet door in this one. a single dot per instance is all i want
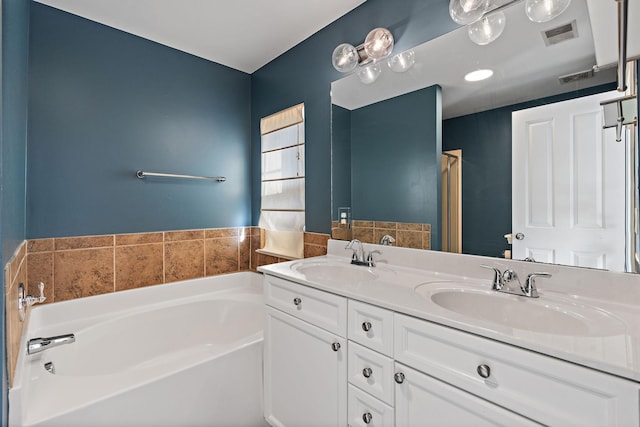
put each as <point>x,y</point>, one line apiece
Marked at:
<point>423,401</point>
<point>305,378</point>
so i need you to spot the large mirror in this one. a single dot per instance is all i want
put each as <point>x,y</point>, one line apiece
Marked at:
<point>432,161</point>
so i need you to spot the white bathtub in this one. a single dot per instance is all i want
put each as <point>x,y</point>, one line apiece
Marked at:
<point>183,354</point>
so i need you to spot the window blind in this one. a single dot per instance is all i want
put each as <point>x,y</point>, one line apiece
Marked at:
<point>285,118</point>
<point>282,210</point>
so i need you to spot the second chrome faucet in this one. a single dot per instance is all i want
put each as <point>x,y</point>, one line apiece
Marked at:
<point>502,282</point>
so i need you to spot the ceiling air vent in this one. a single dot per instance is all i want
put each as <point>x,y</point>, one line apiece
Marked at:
<point>559,34</point>
<point>574,77</point>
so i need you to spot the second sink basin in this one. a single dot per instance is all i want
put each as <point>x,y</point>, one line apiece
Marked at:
<point>534,315</point>
<point>334,271</point>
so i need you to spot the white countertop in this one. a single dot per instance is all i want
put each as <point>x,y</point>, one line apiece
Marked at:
<point>609,341</point>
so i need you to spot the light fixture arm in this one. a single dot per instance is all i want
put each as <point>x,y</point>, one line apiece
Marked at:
<point>363,58</point>
<point>500,7</point>
<point>623,7</point>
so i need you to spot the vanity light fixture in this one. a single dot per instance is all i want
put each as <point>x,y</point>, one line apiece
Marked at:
<point>478,75</point>
<point>377,45</point>
<point>402,61</point>
<point>545,10</point>
<point>466,12</point>
<point>487,29</point>
<point>345,58</point>
<point>370,74</point>
<point>486,20</point>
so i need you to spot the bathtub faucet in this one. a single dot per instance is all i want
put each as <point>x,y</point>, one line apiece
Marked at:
<point>25,301</point>
<point>36,345</point>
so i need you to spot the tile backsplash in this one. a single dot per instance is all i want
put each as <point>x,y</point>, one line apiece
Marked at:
<point>76,267</point>
<point>407,235</point>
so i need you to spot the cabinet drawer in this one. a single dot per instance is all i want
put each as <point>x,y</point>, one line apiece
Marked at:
<point>367,411</point>
<point>322,309</point>
<point>371,371</point>
<point>423,401</point>
<point>371,326</point>
<point>545,389</point>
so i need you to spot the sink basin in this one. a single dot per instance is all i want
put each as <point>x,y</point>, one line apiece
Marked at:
<point>527,314</point>
<point>334,272</point>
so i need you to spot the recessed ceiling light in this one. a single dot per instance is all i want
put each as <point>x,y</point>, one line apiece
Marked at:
<point>477,75</point>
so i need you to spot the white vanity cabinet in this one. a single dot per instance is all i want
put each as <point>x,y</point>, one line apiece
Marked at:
<point>398,370</point>
<point>305,366</point>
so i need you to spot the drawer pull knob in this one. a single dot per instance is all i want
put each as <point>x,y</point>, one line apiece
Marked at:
<point>367,372</point>
<point>484,371</point>
<point>366,326</point>
<point>297,301</point>
<point>399,377</point>
<point>335,346</point>
<point>367,417</point>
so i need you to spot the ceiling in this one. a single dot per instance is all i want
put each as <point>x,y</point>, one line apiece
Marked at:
<point>524,67</point>
<point>244,35</point>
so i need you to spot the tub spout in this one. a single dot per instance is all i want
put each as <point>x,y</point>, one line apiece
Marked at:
<point>36,345</point>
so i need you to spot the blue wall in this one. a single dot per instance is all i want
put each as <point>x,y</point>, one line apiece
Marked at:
<point>304,74</point>
<point>104,103</point>
<point>395,160</point>
<point>485,140</point>
<point>15,44</point>
<point>13,140</point>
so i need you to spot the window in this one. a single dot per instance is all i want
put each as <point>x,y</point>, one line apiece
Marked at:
<point>282,212</point>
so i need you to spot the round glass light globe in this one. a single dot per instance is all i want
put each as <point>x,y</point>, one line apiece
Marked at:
<point>344,58</point>
<point>487,29</point>
<point>545,10</point>
<point>379,43</point>
<point>464,12</point>
<point>370,74</point>
<point>402,61</point>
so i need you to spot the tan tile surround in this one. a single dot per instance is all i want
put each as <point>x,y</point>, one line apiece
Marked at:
<point>75,267</point>
<point>15,273</point>
<point>407,235</point>
<point>341,231</point>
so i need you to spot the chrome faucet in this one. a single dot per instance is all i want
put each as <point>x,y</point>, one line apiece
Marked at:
<point>358,257</point>
<point>370,261</point>
<point>502,280</point>
<point>358,251</point>
<point>529,289</point>
<point>36,345</point>
<point>498,283</point>
<point>387,240</point>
